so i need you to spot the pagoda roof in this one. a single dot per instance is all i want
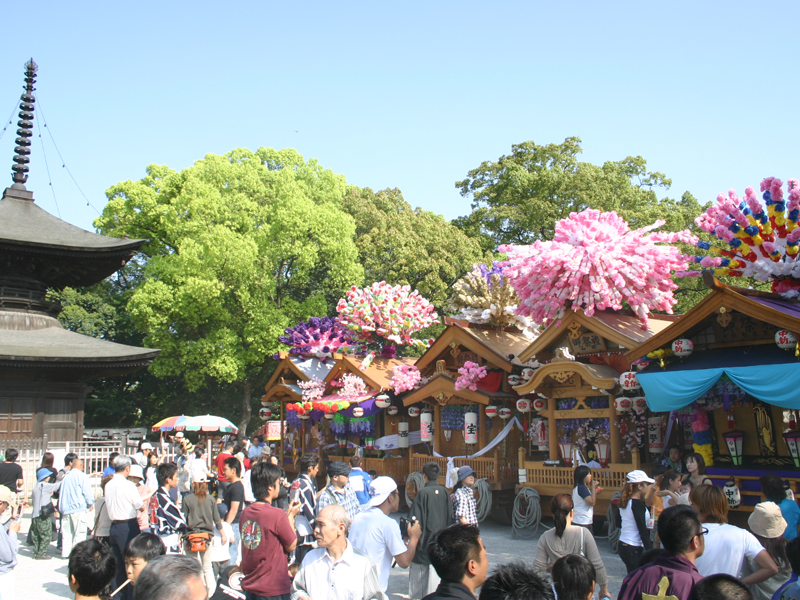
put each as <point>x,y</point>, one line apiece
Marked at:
<point>444,385</point>
<point>33,234</point>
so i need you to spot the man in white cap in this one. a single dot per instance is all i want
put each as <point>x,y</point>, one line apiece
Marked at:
<point>377,535</point>
<point>9,546</point>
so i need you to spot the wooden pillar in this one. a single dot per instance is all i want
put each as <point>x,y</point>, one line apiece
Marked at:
<point>553,428</point>
<point>437,424</point>
<point>615,452</point>
<point>481,428</point>
<point>303,436</point>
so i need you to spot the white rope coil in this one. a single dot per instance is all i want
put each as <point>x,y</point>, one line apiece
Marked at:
<point>527,514</point>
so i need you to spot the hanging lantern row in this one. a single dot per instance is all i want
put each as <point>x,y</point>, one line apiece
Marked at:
<point>623,404</point>
<point>515,380</point>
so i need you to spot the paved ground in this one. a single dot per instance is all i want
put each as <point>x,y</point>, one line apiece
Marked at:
<point>39,580</point>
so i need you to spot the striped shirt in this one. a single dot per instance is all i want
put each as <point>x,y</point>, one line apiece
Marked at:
<point>464,506</point>
<point>353,576</point>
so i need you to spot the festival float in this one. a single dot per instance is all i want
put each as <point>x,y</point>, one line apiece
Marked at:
<point>726,373</point>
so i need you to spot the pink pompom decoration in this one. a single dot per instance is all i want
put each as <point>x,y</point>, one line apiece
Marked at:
<point>405,378</point>
<point>469,376</point>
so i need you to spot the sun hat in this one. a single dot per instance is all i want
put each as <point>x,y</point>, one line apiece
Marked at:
<point>146,446</point>
<point>380,489</point>
<point>339,468</point>
<point>639,477</point>
<point>136,471</point>
<point>766,520</point>
<point>6,495</point>
<point>464,472</point>
<point>43,474</point>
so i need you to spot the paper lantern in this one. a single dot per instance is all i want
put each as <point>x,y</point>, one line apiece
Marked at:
<point>682,347</point>
<point>448,433</point>
<point>628,381</point>
<point>265,414</point>
<point>655,434</point>
<point>732,493</point>
<point>358,412</point>
<point>471,428</point>
<point>566,453</point>
<point>392,410</point>
<point>504,413</point>
<point>413,411</point>
<point>383,401</point>
<point>639,403</point>
<point>622,404</point>
<point>369,443</point>
<point>734,440</point>
<point>342,442</point>
<point>402,434</point>
<point>491,411</point>
<point>539,405</point>
<point>524,405</point>
<point>514,380</point>
<point>527,373</point>
<point>785,339</point>
<point>602,453</point>
<point>426,427</point>
<point>792,439</point>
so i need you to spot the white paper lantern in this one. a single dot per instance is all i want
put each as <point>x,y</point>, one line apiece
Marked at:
<point>655,434</point>
<point>527,373</point>
<point>358,412</point>
<point>413,411</point>
<point>639,403</point>
<point>402,434</point>
<point>682,347</point>
<point>504,413</point>
<point>392,410</point>
<point>622,404</point>
<point>732,493</point>
<point>491,411</point>
<point>785,339</point>
<point>539,405</point>
<point>524,405</point>
<point>265,414</point>
<point>471,428</point>
<point>426,427</point>
<point>382,401</point>
<point>514,380</point>
<point>628,381</point>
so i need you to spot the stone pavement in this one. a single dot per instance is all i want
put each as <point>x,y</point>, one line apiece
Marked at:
<point>40,580</point>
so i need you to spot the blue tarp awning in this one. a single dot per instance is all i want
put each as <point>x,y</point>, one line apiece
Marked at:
<point>765,372</point>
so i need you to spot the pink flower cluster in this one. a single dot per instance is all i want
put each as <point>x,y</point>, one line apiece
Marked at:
<point>595,262</point>
<point>353,387</point>
<point>405,378</point>
<point>470,374</point>
<point>390,312</point>
<point>313,389</point>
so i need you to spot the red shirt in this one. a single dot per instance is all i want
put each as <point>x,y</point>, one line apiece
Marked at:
<point>220,463</point>
<point>265,533</point>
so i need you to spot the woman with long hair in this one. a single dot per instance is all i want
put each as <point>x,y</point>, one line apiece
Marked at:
<point>566,538</point>
<point>46,466</point>
<point>202,515</point>
<point>696,466</point>
<point>573,578</point>
<point>773,490</point>
<point>634,537</point>
<point>767,524</point>
<point>727,546</point>
<point>584,497</point>
<point>151,470</point>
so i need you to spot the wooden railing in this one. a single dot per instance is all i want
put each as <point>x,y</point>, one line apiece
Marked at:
<point>395,467</point>
<point>493,468</point>
<point>548,480</point>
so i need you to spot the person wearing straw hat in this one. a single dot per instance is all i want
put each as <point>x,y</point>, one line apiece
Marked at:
<point>376,534</point>
<point>767,524</point>
<point>9,546</point>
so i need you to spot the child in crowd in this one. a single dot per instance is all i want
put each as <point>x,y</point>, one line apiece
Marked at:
<point>91,568</point>
<point>221,553</point>
<point>140,551</point>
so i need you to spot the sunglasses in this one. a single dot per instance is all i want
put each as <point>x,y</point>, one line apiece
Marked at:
<point>702,532</point>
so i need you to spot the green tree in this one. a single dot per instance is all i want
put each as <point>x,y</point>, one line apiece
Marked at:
<point>406,246</point>
<point>239,247</point>
<point>518,198</point>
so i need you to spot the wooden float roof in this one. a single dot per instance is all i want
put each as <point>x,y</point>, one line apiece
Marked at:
<point>601,377</point>
<point>378,375</point>
<point>444,384</point>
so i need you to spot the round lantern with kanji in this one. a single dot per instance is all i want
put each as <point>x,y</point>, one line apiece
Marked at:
<point>358,412</point>
<point>628,381</point>
<point>622,404</point>
<point>265,413</point>
<point>504,413</point>
<point>639,403</point>
<point>491,411</point>
<point>524,405</point>
<point>682,347</point>
<point>413,411</point>
<point>785,339</point>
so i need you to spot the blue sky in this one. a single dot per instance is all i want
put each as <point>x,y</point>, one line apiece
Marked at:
<point>410,95</point>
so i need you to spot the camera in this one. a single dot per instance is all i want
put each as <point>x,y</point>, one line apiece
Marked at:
<point>405,524</point>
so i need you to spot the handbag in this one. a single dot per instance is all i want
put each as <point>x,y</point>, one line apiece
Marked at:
<point>47,510</point>
<point>198,542</point>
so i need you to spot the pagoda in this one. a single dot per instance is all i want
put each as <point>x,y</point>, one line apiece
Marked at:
<point>44,367</point>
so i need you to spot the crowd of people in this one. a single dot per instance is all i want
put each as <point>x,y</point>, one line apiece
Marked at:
<point>178,530</point>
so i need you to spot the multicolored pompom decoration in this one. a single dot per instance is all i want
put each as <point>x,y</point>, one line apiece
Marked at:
<point>320,336</point>
<point>595,262</point>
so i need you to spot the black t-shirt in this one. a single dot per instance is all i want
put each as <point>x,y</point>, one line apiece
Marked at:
<point>234,493</point>
<point>9,474</point>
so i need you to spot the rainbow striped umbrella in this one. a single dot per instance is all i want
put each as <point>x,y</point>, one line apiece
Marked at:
<point>208,423</point>
<point>170,423</point>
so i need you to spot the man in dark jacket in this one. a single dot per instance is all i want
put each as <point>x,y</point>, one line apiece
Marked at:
<point>673,573</point>
<point>434,511</point>
<point>459,557</point>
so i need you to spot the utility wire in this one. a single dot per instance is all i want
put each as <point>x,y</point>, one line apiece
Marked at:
<point>63,163</point>
<point>47,168</point>
<point>10,118</point>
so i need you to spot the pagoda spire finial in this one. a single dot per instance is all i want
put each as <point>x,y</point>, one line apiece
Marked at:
<point>25,124</point>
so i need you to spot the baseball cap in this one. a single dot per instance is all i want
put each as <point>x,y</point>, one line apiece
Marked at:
<point>639,477</point>
<point>6,495</point>
<point>379,490</point>
<point>136,471</point>
<point>147,446</point>
<point>464,472</point>
<point>767,520</point>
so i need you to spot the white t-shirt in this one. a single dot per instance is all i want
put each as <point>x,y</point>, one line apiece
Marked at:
<point>196,469</point>
<point>629,532</point>
<point>583,511</point>
<point>220,552</point>
<point>248,487</point>
<point>378,536</point>
<point>726,548</point>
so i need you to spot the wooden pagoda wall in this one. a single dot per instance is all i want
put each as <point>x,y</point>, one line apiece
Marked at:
<point>39,408</point>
